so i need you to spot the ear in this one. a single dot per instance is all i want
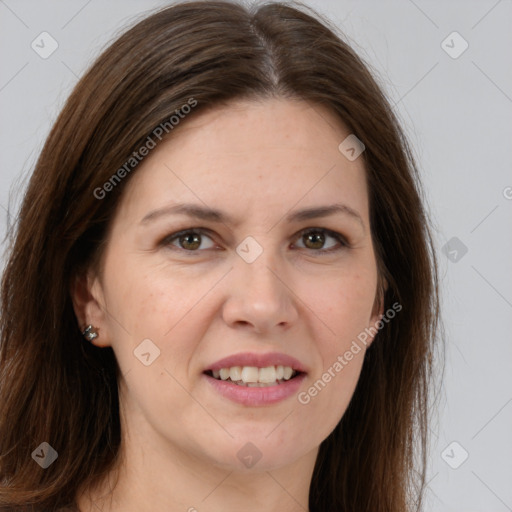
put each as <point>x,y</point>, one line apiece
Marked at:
<point>88,302</point>
<point>378,309</point>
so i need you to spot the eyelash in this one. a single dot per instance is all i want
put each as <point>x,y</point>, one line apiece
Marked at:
<point>202,231</point>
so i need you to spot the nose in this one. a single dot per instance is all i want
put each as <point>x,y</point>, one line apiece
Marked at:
<point>260,296</point>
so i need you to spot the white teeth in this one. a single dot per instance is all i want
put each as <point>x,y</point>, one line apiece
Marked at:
<point>250,374</point>
<point>235,373</point>
<point>267,374</point>
<point>224,373</point>
<point>253,376</point>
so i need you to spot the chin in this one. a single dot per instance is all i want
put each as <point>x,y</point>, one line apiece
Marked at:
<point>255,453</point>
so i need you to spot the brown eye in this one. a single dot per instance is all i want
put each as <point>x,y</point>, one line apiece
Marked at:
<point>189,240</point>
<point>314,239</point>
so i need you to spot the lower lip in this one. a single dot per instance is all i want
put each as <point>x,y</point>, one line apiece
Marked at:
<point>253,396</point>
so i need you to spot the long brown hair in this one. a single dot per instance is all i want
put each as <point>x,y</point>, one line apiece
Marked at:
<point>55,388</point>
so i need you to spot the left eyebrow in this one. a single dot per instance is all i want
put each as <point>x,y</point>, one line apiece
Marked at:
<point>324,211</point>
<point>215,215</point>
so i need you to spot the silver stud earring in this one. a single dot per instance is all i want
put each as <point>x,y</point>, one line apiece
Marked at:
<point>89,333</point>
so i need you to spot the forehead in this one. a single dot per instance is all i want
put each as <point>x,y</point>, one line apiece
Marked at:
<point>253,155</point>
<point>267,123</point>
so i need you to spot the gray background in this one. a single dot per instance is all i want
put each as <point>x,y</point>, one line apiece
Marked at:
<point>457,113</point>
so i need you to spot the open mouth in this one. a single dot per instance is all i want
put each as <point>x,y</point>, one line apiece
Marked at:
<point>253,376</point>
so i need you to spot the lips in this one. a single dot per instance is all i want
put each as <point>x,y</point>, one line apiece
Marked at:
<point>256,379</point>
<point>258,361</point>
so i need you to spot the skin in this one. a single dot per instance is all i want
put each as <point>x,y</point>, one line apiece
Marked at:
<point>258,161</point>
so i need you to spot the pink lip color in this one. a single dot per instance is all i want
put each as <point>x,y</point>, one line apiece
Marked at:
<point>256,396</point>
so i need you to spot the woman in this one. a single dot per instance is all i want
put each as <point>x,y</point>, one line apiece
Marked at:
<point>222,293</point>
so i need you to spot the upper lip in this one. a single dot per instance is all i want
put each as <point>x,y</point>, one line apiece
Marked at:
<point>258,360</point>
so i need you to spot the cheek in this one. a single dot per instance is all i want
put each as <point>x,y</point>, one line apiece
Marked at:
<point>326,398</point>
<point>145,299</point>
<point>157,303</point>
<point>342,306</point>
<point>341,303</point>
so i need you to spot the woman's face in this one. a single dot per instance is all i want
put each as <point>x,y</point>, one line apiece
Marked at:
<point>249,283</point>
